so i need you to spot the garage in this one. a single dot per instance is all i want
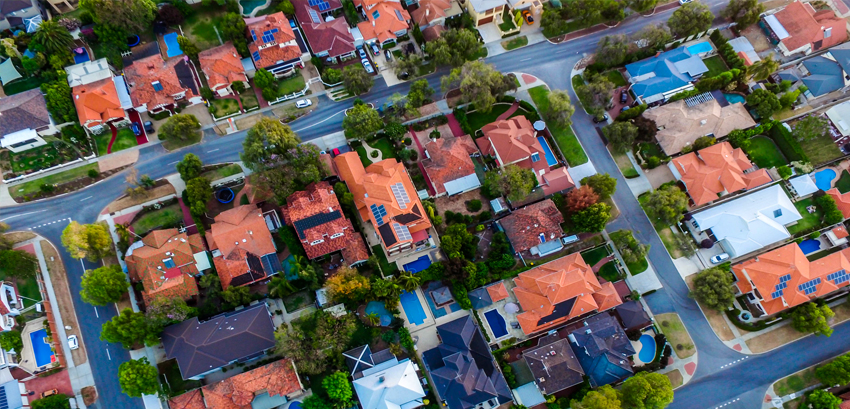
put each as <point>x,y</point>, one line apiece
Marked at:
<point>485,20</point>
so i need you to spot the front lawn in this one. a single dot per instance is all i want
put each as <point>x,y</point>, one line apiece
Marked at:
<point>23,84</point>
<point>40,157</point>
<point>616,77</point>
<point>609,271</point>
<point>123,140</point>
<point>382,144</point>
<point>291,85</point>
<point>677,335</point>
<point>478,119</point>
<point>507,24</point>
<point>515,43</point>
<point>249,100</point>
<point>843,183</point>
<point>765,154</point>
<point>591,257</point>
<point>54,179</point>
<point>821,150</point>
<point>224,107</point>
<point>715,66</point>
<point>809,220</point>
<point>222,172</point>
<point>624,164</point>
<point>167,217</point>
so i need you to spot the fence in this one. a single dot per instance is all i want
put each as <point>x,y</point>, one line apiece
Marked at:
<point>291,96</point>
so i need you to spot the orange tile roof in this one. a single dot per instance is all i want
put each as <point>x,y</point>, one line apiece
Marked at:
<point>805,26</point>
<point>449,160</point>
<point>555,180</point>
<point>840,232</point>
<point>430,10</point>
<point>147,264</point>
<point>497,292</point>
<point>717,169</point>
<point>510,140</point>
<point>97,102</point>
<point>391,17</point>
<point>142,75</point>
<point>432,33</point>
<point>277,379</point>
<point>222,66</point>
<point>765,272</point>
<point>188,400</point>
<point>279,49</point>
<point>841,200</point>
<point>235,233</point>
<point>559,291</point>
<point>524,226</point>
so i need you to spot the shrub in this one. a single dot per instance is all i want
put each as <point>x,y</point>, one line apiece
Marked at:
<point>632,113</point>
<point>473,205</point>
<point>831,213</point>
<point>784,171</point>
<point>93,173</point>
<point>652,162</point>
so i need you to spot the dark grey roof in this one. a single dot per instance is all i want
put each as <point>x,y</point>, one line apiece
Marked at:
<point>602,338</point>
<point>200,347</point>
<point>185,76</point>
<point>141,51</point>
<point>11,6</point>
<point>824,76</point>
<point>480,298</point>
<point>358,359</point>
<point>561,310</point>
<point>553,364</point>
<point>26,110</point>
<point>387,235</point>
<point>632,315</point>
<point>407,218</point>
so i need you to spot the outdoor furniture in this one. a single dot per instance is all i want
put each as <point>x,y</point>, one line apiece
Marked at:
<point>511,308</point>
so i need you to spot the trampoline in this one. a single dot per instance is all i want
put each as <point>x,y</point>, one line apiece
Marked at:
<point>172,48</point>
<point>133,40</point>
<point>225,195</point>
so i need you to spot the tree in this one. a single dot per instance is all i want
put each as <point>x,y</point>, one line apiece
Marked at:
<point>409,64</point>
<point>420,93</point>
<point>784,171</point>
<point>647,390</point>
<point>138,377</point>
<point>361,122</point>
<point>104,285</point>
<point>641,6</point>
<point>181,126</point>
<point>211,283</point>
<point>233,28</point>
<point>811,127</point>
<point>455,47</point>
<point>689,19</point>
<point>287,8</point>
<point>560,110</point>
<point>128,328</point>
<point>612,50</point>
<point>356,80</point>
<point>409,282</point>
<point>834,373</point>
<point>188,47</point>
<point>621,135</point>
<point>171,16</point>
<point>236,295</point>
<point>514,182</point>
<point>91,241</point>
<point>58,97</point>
<point>667,204</point>
<point>338,388</point>
<point>264,79</point>
<point>703,142</point>
<point>190,167</point>
<point>238,86</point>
<point>764,102</point>
<point>604,397</point>
<point>580,199</point>
<point>831,213</point>
<point>347,284</point>
<point>714,288</point>
<point>743,12</point>
<point>595,94</point>
<point>199,192</point>
<point>18,263</point>
<point>309,347</point>
<point>163,311</point>
<point>479,83</point>
<point>458,242</point>
<point>593,218</point>
<point>760,70</point>
<point>395,131</point>
<point>812,317</point>
<point>823,399</point>
<point>652,36</point>
<point>631,250</point>
<point>53,38</point>
<point>132,15</point>
<point>314,402</point>
<point>602,183</point>
<point>58,401</point>
<point>11,341</point>
<point>265,139</point>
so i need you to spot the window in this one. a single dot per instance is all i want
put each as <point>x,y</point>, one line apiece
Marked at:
<point>777,213</point>
<point>542,238</point>
<point>169,263</point>
<point>375,15</point>
<point>337,235</point>
<point>535,157</point>
<point>315,242</point>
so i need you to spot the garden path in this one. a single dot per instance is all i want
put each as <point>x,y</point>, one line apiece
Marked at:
<point>509,112</point>
<point>601,263</point>
<point>111,141</point>
<point>369,151</point>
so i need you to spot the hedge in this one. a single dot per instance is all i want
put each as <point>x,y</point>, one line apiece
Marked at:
<point>787,144</point>
<point>632,113</point>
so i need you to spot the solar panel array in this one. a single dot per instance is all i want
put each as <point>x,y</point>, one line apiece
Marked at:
<point>321,4</point>
<point>809,286</point>
<point>268,35</point>
<point>314,16</point>
<point>400,195</point>
<point>838,277</point>
<point>402,232</point>
<point>379,212</point>
<point>4,404</point>
<point>779,289</point>
<point>253,35</point>
<point>256,55</point>
<point>785,278</point>
<point>398,14</point>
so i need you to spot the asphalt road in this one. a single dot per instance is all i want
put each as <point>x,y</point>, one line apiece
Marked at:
<point>743,383</point>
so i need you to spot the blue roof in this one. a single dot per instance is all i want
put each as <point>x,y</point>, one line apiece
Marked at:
<point>11,396</point>
<point>824,77</point>
<point>673,69</point>
<point>603,350</point>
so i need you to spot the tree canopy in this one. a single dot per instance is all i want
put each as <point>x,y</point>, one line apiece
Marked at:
<point>478,83</point>
<point>356,80</point>
<point>361,122</point>
<point>811,127</point>
<point>455,46</point>
<point>823,399</point>
<point>668,204</point>
<point>132,15</point>
<point>138,377</point>
<point>743,12</point>
<point>53,38</point>
<point>458,242</point>
<point>104,285</point>
<point>647,390</point>
<point>58,401</point>
<point>612,50</point>
<point>595,94</point>
<point>621,135</point>
<point>764,102</point>
<point>514,182</point>
<point>11,341</point>
<point>338,387</point>
<point>602,183</point>
<point>347,284</point>
<point>560,110</point>
<point>604,397</point>
<point>190,167</point>
<point>313,340</point>
<point>90,241</point>
<point>593,218</point>
<point>812,317</point>
<point>18,263</point>
<point>689,19</point>
<point>834,373</point>
<point>714,288</point>
<point>180,127</point>
<point>129,328</point>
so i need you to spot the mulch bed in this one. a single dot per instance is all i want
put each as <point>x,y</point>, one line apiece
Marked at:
<point>68,187</point>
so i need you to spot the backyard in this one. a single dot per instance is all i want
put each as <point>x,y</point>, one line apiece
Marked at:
<point>764,153</point>
<point>224,107</point>
<point>809,220</point>
<point>715,66</point>
<point>382,144</point>
<point>843,183</point>
<point>677,335</point>
<point>616,78</point>
<point>821,150</point>
<point>123,140</point>
<point>57,178</point>
<point>27,286</point>
<point>173,381</point>
<point>166,217</point>
<point>200,26</point>
<point>564,137</point>
<point>291,85</point>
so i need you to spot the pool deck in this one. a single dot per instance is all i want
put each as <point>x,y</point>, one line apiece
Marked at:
<point>637,345</point>
<point>500,306</point>
<point>27,353</point>
<point>429,317</point>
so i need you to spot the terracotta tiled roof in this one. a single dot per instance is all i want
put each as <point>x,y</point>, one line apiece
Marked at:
<point>281,45</point>
<point>510,140</point>
<point>785,269</point>
<point>449,160</point>
<point>840,232</point>
<point>432,33</point>
<point>805,26</point>
<point>680,125</point>
<point>559,291</point>
<point>524,226</point>
<point>497,292</point>
<point>555,180</point>
<point>718,169</point>
<point>222,66</point>
<point>333,37</point>
<point>430,10</point>
<point>385,18</point>
<point>188,400</point>
<point>97,102</point>
<point>355,251</point>
<point>236,233</point>
<point>25,110</point>
<point>277,379</point>
<point>841,200</point>
<point>173,77</point>
<point>150,264</point>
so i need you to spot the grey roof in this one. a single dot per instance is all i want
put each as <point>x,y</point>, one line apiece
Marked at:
<point>789,75</point>
<point>480,298</point>
<point>26,110</point>
<point>362,358</point>
<point>841,53</point>
<point>824,76</point>
<point>484,5</point>
<point>672,69</point>
<point>11,6</point>
<point>632,315</point>
<point>602,344</point>
<point>8,72</point>
<point>200,347</point>
<point>554,364</point>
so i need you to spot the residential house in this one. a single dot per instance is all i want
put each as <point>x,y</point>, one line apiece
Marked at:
<point>553,364</point>
<point>800,29</point>
<point>825,76</point>
<point>802,186</point>
<point>716,171</point>
<point>166,262</point>
<point>632,316</point>
<point>448,165</point>
<point>682,122</point>
<point>88,72</point>
<point>98,105</point>
<point>329,37</point>
<point>222,66</point>
<point>837,236</point>
<point>485,11</point>
<point>483,297</point>
<point>745,50</point>
<point>559,291</point>
<point>381,381</point>
<point>534,6</point>
<point>431,12</point>
<point>747,223</point>
<point>463,370</point>
<point>386,20</point>
<point>203,347</point>
<point>841,200</point>
<point>10,303</point>
<point>534,230</point>
<point>14,393</point>
<point>273,46</point>
<point>242,247</point>
<point>603,350</point>
<point>839,116</point>
<point>24,121</point>
<point>156,84</point>
<point>784,278</point>
<point>657,78</point>
<point>385,197</point>
<point>16,13</point>
<point>362,358</point>
<point>432,33</point>
<point>321,226</point>
<point>514,141</point>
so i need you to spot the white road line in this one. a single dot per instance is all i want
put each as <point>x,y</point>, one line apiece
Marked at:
<point>211,151</point>
<point>728,403</point>
<point>107,354</point>
<point>308,127</point>
<point>84,199</point>
<point>22,214</point>
<point>524,59</point>
<point>95,312</point>
<point>174,162</point>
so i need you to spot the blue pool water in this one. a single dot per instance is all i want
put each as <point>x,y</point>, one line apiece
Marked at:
<point>248,6</point>
<point>550,158</point>
<point>41,349</point>
<point>172,49</point>
<point>734,98</point>
<point>380,310</point>
<point>699,48</point>
<point>295,405</point>
<point>497,323</point>
<point>809,246</point>
<point>81,57</point>
<point>823,179</point>
<point>412,308</point>
<point>420,264</point>
<point>647,348</point>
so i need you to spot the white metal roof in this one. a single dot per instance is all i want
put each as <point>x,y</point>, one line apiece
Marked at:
<point>88,72</point>
<point>803,185</point>
<point>394,387</point>
<point>462,184</point>
<point>123,92</point>
<point>17,137</point>
<point>777,27</point>
<point>840,117</point>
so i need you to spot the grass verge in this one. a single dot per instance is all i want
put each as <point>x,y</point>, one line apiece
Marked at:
<point>564,137</point>
<point>515,43</point>
<point>54,179</point>
<point>676,334</point>
<point>173,144</point>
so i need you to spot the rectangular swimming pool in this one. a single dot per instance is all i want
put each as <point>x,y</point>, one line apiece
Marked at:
<point>418,265</point>
<point>172,48</point>
<point>700,48</point>
<point>550,157</point>
<point>412,308</point>
<point>497,323</point>
<point>40,348</point>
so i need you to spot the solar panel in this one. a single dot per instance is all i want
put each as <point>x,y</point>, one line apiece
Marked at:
<point>312,2</point>
<point>785,278</point>
<point>253,35</point>
<point>157,86</point>
<point>314,16</point>
<point>776,294</point>
<point>781,286</point>
<point>398,14</point>
<point>379,212</point>
<point>375,15</point>
<point>256,55</point>
<point>400,195</point>
<point>324,6</point>
<point>4,404</point>
<point>402,232</point>
<point>809,287</point>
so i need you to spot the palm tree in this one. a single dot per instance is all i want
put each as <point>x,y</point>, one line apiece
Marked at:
<point>408,281</point>
<point>280,287</point>
<point>54,38</point>
<point>373,318</point>
<point>760,70</point>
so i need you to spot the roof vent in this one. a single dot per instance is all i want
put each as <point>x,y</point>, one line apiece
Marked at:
<point>703,122</point>
<point>587,331</point>
<point>244,240</point>
<point>250,232</point>
<point>237,243</point>
<point>380,379</point>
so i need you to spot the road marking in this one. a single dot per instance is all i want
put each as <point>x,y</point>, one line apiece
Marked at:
<point>107,354</point>
<point>86,198</point>
<point>524,59</point>
<point>728,403</point>
<point>22,214</point>
<point>308,127</point>
<point>734,362</point>
<point>211,151</point>
<point>49,223</point>
<point>174,162</point>
<point>95,312</point>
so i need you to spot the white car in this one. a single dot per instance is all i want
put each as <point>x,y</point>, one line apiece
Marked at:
<point>72,342</point>
<point>367,66</point>
<point>685,1</point>
<point>720,258</point>
<point>303,103</point>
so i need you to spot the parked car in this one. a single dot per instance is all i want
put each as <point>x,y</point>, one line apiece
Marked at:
<point>720,258</point>
<point>361,52</point>
<point>685,1</point>
<point>367,66</point>
<point>388,54</point>
<point>303,103</point>
<point>72,342</point>
<point>137,130</point>
<point>403,76</point>
<point>49,393</point>
<point>375,49</point>
<point>149,127</point>
<point>600,118</point>
<point>527,16</point>
<point>624,96</point>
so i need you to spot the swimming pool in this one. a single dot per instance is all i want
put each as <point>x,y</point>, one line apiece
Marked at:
<point>380,310</point>
<point>248,6</point>
<point>550,158</point>
<point>809,246</point>
<point>412,308</point>
<point>823,179</point>
<point>80,55</point>
<point>172,48</point>
<point>40,348</point>
<point>295,405</point>
<point>647,348</point>
<point>418,265</point>
<point>699,48</point>
<point>497,323</point>
<point>735,98</point>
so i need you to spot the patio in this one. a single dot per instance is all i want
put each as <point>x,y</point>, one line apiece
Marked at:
<point>508,308</point>
<point>637,345</point>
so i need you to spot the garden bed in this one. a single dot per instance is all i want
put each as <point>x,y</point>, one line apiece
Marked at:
<point>165,218</point>
<point>515,43</point>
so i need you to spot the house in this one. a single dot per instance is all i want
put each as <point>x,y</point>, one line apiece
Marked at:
<point>166,262</point>
<point>386,20</point>
<point>534,6</point>
<point>14,393</point>
<point>88,72</point>
<point>632,316</point>
<point>463,370</point>
<point>203,347</point>
<point>222,66</point>
<point>803,185</point>
<point>534,229</point>
<point>321,226</point>
<point>657,78</point>
<point>682,122</point>
<point>432,33</point>
<point>329,37</point>
<point>485,11</point>
<point>449,167</point>
<point>156,84</point>
<point>385,197</point>
<point>784,278</point>
<point>603,350</point>
<point>15,13</point>
<point>381,381</point>
<point>747,223</point>
<point>24,121</point>
<point>10,302</point>
<point>559,291</point>
<point>745,50</point>
<point>242,247</point>
<point>98,105</point>
<point>553,364</point>
<point>514,141</point>
<point>841,200</point>
<point>362,358</point>
<point>800,29</point>
<point>839,115</point>
<point>715,171</point>
<point>837,236</point>
<point>273,46</point>
<point>431,12</point>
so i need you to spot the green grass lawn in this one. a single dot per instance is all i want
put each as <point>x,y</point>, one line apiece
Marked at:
<point>592,257</point>
<point>172,381</point>
<point>616,77</point>
<point>431,66</point>
<point>224,107</point>
<point>809,220</point>
<point>166,217</point>
<point>222,172</point>
<point>249,100</point>
<point>386,267</point>
<point>650,149</point>
<point>624,164</point>
<point>764,153</point>
<point>609,272</point>
<point>843,183</point>
<point>715,65</point>
<point>57,178</point>
<point>36,158</point>
<point>123,140</point>
<point>23,84</point>
<point>821,150</point>
<point>172,144</point>
<point>382,144</point>
<point>672,327</point>
<point>637,268</point>
<point>290,85</point>
<point>200,27</point>
<point>577,82</point>
<point>507,24</point>
<point>478,119</point>
<point>515,43</point>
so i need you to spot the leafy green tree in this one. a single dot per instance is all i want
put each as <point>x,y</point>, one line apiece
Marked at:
<point>647,390</point>
<point>595,94</point>
<point>743,12</point>
<point>104,285</point>
<point>420,93</point>
<point>458,242</point>
<point>338,388</point>
<point>286,7</point>
<point>267,83</point>
<point>560,110</point>
<point>190,167</point>
<point>641,6</point>
<point>812,317</point>
<point>831,213</point>
<point>310,347</point>
<point>409,282</point>
<point>785,172</point>
<point>58,401</point>
<point>233,29</point>
<point>54,38</point>
<point>18,263</point>
<point>238,86</point>
<point>630,249</point>
<point>133,15</point>
<point>163,311</point>
<point>11,341</point>
<point>315,401</point>
<point>612,50</point>
<point>199,193</point>
<point>479,83</point>
<point>235,295</point>
<point>604,397</point>
<point>714,288</point>
<point>811,127</point>
<point>409,64</point>
<point>356,80</point>
<point>514,182</point>
<point>395,130</point>
<point>188,47</point>
<point>180,127</point>
<point>703,142</point>
<point>347,285</point>
<point>621,135</point>
<point>652,35</point>
<point>593,218</point>
<point>667,204</point>
<point>361,122</point>
<point>823,399</point>
<point>58,97</point>
<point>689,19</point>
<point>267,138</point>
<point>129,328</point>
<point>90,241</point>
<point>764,102</point>
<point>834,373</point>
<point>602,183</point>
<point>138,377</point>
<point>760,70</point>
<point>455,47</point>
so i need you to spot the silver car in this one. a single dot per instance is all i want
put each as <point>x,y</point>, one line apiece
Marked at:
<point>367,66</point>
<point>720,258</point>
<point>303,103</point>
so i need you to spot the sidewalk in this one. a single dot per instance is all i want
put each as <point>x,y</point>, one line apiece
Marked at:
<point>642,282</point>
